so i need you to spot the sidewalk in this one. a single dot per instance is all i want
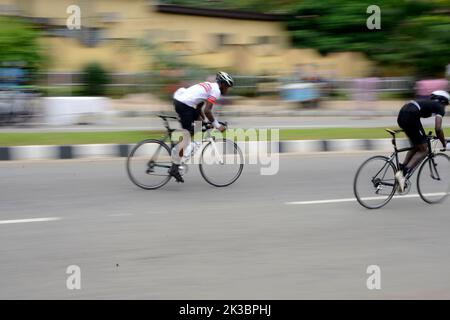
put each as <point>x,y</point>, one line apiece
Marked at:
<point>145,104</point>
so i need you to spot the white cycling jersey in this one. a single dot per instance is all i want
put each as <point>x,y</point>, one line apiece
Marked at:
<point>194,95</point>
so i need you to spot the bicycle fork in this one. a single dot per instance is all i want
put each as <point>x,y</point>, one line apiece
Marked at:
<point>213,143</point>
<point>433,170</point>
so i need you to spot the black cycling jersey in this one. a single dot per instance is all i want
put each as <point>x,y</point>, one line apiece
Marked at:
<point>430,108</point>
<point>409,118</point>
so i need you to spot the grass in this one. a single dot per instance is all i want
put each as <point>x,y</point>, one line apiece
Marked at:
<point>66,138</point>
<point>122,137</point>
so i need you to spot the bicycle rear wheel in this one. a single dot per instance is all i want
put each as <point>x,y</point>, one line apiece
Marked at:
<point>374,184</point>
<point>221,162</point>
<point>433,180</point>
<point>148,164</point>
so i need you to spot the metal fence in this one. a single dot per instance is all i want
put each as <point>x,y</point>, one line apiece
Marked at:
<point>258,84</point>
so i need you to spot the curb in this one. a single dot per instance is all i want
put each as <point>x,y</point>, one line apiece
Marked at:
<point>92,151</point>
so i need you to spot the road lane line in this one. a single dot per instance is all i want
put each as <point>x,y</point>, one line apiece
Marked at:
<point>29,220</point>
<point>354,199</point>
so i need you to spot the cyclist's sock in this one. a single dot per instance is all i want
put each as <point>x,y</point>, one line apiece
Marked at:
<point>176,155</point>
<point>404,170</point>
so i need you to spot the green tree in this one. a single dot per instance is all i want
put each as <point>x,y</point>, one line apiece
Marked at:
<point>94,80</point>
<point>19,42</point>
<point>413,33</point>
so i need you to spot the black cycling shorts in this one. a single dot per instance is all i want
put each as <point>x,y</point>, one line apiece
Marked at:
<point>409,120</point>
<point>187,114</point>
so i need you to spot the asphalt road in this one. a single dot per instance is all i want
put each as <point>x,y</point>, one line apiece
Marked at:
<point>154,123</point>
<point>194,241</point>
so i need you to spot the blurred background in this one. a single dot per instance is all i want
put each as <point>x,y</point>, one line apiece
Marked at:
<point>284,55</point>
<point>313,69</point>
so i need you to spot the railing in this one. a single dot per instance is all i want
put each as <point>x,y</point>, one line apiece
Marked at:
<point>146,80</point>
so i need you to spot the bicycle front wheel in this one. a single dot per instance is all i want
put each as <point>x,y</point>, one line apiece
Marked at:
<point>374,184</point>
<point>221,162</point>
<point>148,164</point>
<point>433,180</point>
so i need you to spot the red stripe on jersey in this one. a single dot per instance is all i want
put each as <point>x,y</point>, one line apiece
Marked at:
<point>211,99</point>
<point>204,87</point>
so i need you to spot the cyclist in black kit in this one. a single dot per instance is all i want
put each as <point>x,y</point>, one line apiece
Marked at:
<point>409,120</point>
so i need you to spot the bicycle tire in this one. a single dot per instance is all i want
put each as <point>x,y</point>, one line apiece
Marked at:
<point>237,175</point>
<point>355,181</point>
<point>423,195</point>
<point>128,164</point>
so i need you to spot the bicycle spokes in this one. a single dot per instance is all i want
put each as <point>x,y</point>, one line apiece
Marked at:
<point>374,183</point>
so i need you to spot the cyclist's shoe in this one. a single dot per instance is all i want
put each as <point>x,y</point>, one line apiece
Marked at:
<point>401,180</point>
<point>174,172</point>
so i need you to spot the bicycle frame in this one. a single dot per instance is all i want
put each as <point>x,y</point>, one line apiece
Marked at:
<point>394,158</point>
<point>430,155</point>
<point>207,137</point>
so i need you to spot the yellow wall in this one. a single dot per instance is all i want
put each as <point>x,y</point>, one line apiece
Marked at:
<point>69,55</point>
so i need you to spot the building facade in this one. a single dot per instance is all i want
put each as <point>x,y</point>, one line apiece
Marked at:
<point>124,34</point>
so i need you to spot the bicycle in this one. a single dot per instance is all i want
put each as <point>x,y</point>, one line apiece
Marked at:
<point>374,184</point>
<point>151,158</point>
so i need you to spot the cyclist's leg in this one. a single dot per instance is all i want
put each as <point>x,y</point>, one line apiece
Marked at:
<point>178,150</point>
<point>409,120</point>
<point>419,140</point>
<point>187,117</point>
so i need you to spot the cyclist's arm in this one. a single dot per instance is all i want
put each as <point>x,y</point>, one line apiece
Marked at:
<point>439,131</point>
<point>200,111</point>
<point>209,115</point>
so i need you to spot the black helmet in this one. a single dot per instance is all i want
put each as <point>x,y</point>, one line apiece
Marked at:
<point>225,78</point>
<point>440,95</point>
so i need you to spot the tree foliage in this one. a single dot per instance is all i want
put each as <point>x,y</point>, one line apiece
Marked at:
<point>94,79</point>
<point>19,43</point>
<point>414,34</point>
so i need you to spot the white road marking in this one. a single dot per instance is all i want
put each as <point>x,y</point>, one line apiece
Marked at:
<point>29,220</point>
<point>120,215</point>
<point>367,198</point>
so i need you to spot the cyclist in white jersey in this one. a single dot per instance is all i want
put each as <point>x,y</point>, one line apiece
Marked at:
<point>188,103</point>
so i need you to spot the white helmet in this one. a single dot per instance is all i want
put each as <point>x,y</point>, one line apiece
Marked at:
<point>440,95</point>
<point>224,77</point>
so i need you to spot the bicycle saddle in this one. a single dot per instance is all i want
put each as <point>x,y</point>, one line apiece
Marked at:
<point>167,117</point>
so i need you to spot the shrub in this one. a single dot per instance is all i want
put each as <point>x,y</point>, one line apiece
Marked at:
<point>94,80</point>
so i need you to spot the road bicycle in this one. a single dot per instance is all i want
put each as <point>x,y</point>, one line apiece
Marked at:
<point>375,184</point>
<point>220,160</point>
